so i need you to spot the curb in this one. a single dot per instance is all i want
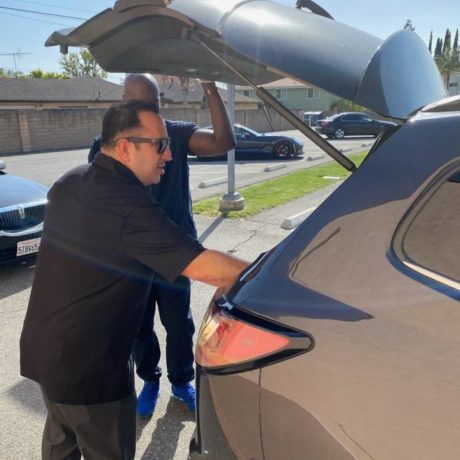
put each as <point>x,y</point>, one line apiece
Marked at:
<point>294,221</point>
<point>316,156</point>
<point>275,167</point>
<point>211,182</point>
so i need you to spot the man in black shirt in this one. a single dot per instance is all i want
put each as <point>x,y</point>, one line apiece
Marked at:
<point>172,300</point>
<point>103,240</point>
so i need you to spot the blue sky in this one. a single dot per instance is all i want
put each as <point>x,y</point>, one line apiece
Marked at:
<point>24,32</point>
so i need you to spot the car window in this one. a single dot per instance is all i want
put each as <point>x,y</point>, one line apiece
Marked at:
<point>352,118</point>
<point>428,240</point>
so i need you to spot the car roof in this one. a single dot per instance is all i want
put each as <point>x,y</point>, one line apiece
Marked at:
<point>263,41</point>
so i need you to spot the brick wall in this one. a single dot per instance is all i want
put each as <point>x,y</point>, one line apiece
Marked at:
<point>9,131</point>
<point>54,129</point>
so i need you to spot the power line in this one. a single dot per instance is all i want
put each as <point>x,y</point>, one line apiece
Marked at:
<point>35,19</point>
<point>55,6</point>
<point>41,12</point>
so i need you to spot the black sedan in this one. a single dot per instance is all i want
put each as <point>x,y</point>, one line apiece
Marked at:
<point>22,210</point>
<point>352,124</point>
<point>250,143</point>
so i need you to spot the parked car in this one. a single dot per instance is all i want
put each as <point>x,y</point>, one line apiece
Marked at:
<point>22,210</point>
<point>249,141</point>
<point>352,124</point>
<point>312,118</point>
<point>251,144</point>
<point>342,342</point>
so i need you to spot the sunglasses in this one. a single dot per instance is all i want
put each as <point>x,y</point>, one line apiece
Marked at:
<point>162,143</point>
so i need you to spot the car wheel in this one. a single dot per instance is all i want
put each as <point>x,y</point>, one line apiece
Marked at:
<point>282,150</point>
<point>339,133</point>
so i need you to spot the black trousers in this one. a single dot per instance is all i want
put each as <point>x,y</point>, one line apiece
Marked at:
<point>97,431</point>
<point>173,303</point>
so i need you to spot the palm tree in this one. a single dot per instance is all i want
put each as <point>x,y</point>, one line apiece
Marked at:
<point>448,62</point>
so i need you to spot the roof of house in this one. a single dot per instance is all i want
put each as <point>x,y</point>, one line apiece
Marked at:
<point>81,89</point>
<point>282,83</point>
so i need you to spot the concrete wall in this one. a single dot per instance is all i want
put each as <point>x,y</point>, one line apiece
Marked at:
<point>54,129</point>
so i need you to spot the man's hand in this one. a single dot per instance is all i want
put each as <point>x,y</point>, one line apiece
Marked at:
<point>215,268</point>
<point>209,87</point>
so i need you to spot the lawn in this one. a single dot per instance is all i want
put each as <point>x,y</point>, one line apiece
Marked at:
<point>281,190</point>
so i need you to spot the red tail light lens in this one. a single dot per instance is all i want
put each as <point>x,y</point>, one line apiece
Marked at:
<point>228,342</point>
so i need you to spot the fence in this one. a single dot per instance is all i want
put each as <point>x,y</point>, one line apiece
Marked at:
<point>33,130</point>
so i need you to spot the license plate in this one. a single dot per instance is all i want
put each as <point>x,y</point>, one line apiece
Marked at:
<point>27,247</point>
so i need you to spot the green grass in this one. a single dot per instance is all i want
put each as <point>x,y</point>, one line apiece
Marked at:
<point>275,192</point>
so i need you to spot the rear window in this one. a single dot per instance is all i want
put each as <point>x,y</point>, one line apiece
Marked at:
<point>428,239</point>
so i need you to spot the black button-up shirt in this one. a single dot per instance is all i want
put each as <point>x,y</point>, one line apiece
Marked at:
<point>103,239</point>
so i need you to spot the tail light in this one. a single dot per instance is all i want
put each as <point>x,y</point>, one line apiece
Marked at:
<point>233,340</point>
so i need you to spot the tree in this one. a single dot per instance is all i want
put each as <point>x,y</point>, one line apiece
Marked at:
<point>10,74</point>
<point>446,47</point>
<point>430,44</point>
<point>448,62</point>
<point>38,73</point>
<point>80,64</point>
<point>344,105</point>
<point>409,26</point>
<point>447,56</point>
<point>438,49</point>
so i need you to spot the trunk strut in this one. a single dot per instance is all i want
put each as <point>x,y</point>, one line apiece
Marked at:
<point>270,100</point>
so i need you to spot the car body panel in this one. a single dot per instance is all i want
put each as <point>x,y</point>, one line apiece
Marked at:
<point>22,204</point>
<point>382,380</point>
<point>251,144</point>
<point>380,192</point>
<point>353,124</point>
<point>264,41</point>
<point>225,404</point>
<point>17,190</point>
<point>249,141</point>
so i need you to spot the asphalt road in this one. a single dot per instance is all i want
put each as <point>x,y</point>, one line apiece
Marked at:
<point>46,167</point>
<point>167,434</point>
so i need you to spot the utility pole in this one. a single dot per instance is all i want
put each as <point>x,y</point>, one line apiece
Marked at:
<point>232,200</point>
<point>14,59</point>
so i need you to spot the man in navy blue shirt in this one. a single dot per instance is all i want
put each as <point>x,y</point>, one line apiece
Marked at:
<point>173,194</point>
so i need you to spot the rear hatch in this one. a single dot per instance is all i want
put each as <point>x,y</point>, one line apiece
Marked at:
<point>262,41</point>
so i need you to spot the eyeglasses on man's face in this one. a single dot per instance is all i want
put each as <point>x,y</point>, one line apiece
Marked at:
<point>162,143</point>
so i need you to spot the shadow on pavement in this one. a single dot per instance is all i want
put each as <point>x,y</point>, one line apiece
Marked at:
<point>165,437</point>
<point>16,277</point>
<point>28,394</point>
<point>212,227</point>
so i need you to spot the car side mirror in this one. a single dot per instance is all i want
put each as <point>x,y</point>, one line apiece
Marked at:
<point>2,165</point>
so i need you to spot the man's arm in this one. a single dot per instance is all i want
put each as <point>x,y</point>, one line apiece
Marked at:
<point>95,148</point>
<point>205,142</point>
<point>215,268</point>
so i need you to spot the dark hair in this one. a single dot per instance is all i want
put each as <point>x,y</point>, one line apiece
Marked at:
<point>122,117</point>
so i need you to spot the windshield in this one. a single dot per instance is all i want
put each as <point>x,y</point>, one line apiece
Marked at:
<point>245,129</point>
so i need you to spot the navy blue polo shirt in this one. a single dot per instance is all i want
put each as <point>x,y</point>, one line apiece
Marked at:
<point>173,192</point>
<point>104,238</point>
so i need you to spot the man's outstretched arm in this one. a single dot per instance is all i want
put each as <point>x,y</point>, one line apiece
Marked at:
<point>215,268</point>
<point>205,142</point>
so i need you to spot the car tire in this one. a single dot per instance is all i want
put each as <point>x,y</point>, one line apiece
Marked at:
<point>339,133</point>
<point>283,150</point>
